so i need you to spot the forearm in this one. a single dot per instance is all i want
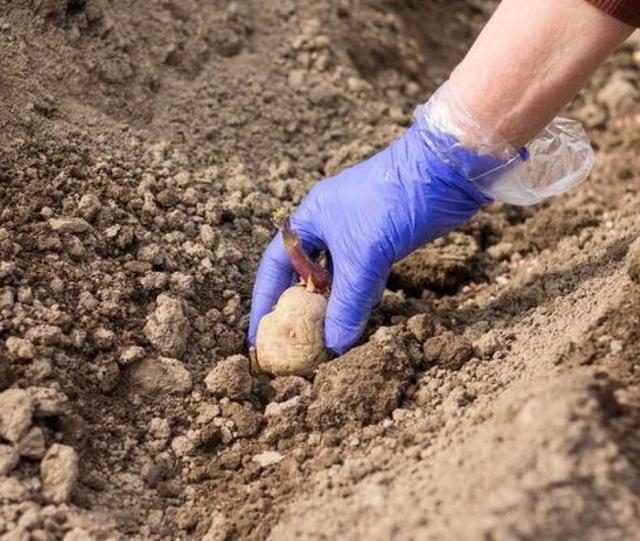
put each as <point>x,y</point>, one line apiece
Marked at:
<point>529,61</point>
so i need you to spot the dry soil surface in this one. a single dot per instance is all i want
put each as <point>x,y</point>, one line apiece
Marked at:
<point>143,147</point>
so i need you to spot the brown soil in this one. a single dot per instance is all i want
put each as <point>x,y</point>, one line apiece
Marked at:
<point>143,146</point>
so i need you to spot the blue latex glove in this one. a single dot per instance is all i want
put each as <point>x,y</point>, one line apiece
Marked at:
<point>368,217</point>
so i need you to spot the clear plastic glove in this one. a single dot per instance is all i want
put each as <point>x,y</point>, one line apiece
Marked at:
<point>425,184</point>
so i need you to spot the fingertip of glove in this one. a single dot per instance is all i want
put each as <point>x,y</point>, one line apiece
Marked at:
<point>340,337</point>
<point>252,334</point>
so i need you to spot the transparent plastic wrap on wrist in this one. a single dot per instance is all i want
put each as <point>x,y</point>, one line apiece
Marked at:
<point>559,158</point>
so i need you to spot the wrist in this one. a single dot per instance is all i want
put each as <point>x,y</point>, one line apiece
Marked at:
<point>446,113</point>
<point>530,60</point>
<point>557,159</point>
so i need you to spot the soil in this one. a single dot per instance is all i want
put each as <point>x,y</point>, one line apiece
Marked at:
<point>144,145</point>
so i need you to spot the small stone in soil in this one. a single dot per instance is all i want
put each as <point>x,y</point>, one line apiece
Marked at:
<point>9,459</point>
<point>16,410</point>
<point>69,225</point>
<point>89,206</point>
<point>130,355</point>
<point>267,458</point>
<point>33,445</point>
<point>59,472</point>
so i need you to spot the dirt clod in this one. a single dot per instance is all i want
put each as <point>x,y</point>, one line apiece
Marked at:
<point>161,375</point>
<point>167,326</point>
<point>16,411</point>
<point>48,402</point>
<point>286,387</point>
<point>12,490</point>
<point>421,326</point>
<point>9,458</point>
<point>33,444</point>
<point>245,420</point>
<point>487,344</point>
<point>103,338</point>
<point>231,378</point>
<point>284,419</point>
<point>20,348</point>
<point>143,146</point>
<point>361,387</point>
<point>448,350</point>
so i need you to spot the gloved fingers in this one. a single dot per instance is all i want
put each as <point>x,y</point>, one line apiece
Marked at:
<point>274,276</point>
<point>355,291</point>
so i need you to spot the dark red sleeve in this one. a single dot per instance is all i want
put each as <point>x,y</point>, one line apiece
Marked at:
<point>627,11</point>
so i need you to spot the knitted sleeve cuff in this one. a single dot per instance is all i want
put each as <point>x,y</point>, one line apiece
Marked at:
<point>627,11</point>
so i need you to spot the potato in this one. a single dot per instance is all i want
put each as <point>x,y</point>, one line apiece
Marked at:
<point>290,339</point>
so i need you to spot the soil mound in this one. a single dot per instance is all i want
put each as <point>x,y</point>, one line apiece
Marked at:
<point>143,147</point>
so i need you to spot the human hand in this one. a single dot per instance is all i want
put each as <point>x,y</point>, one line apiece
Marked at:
<point>368,217</point>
